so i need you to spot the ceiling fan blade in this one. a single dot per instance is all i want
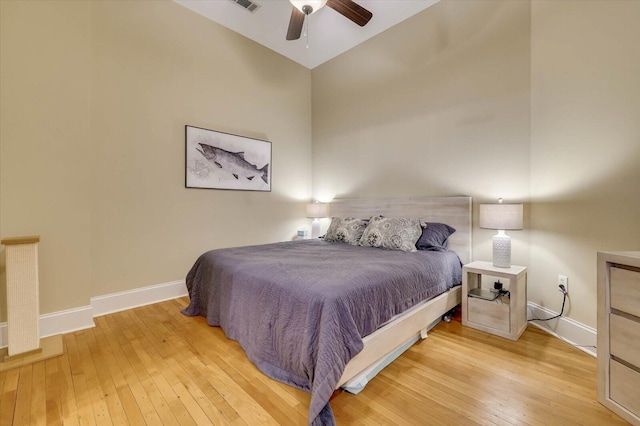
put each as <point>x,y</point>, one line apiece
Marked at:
<point>351,10</point>
<point>295,24</point>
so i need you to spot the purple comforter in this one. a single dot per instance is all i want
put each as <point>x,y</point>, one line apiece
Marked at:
<point>300,309</point>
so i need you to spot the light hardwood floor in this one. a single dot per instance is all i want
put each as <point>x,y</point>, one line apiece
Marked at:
<point>153,365</point>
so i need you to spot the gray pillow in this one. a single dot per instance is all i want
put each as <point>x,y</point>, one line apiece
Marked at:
<point>392,233</point>
<point>345,230</point>
<point>435,237</point>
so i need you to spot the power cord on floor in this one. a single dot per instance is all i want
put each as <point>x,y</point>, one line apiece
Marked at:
<point>564,300</point>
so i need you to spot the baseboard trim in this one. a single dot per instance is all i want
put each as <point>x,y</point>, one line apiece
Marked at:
<point>573,332</point>
<point>577,334</point>
<point>81,318</point>
<point>121,301</point>
<point>66,321</point>
<point>59,322</point>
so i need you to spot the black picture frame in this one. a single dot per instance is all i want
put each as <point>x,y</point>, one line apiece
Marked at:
<point>219,160</point>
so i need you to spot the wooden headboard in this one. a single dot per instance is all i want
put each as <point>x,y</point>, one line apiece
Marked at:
<point>454,211</point>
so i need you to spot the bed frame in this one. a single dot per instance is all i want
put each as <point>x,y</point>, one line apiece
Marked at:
<point>454,211</point>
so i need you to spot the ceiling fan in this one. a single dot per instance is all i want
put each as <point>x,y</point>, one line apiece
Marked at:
<point>302,8</point>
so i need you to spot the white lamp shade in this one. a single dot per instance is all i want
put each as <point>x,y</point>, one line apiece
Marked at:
<point>501,216</point>
<point>315,4</point>
<point>317,210</point>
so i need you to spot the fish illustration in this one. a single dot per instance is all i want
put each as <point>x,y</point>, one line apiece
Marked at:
<point>233,162</point>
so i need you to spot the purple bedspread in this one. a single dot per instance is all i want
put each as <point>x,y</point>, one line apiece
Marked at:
<point>300,309</point>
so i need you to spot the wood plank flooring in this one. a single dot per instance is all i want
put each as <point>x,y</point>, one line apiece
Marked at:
<point>154,366</point>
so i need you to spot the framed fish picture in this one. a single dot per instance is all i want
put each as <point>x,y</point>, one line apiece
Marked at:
<point>218,160</point>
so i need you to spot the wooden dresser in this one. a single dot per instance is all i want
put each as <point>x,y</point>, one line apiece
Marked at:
<point>619,333</point>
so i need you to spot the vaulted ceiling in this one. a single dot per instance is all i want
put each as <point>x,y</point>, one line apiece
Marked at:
<point>329,33</point>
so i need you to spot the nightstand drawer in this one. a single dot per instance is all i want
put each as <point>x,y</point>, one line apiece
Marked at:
<point>624,339</point>
<point>494,314</point>
<point>505,317</point>
<point>624,386</point>
<point>625,290</point>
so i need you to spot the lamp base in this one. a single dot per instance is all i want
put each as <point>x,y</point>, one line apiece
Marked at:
<point>501,250</point>
<point>315,228</point>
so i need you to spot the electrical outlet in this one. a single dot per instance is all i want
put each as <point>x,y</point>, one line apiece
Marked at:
<point>563,280</point>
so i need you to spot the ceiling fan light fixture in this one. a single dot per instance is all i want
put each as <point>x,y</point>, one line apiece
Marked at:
<point>314,4</point>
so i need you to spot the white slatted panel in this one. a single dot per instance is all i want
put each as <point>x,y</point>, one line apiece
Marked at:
<point>23,302</point>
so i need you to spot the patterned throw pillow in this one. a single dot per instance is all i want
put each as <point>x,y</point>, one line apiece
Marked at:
<point>346,230</point>
<point>392,233</point>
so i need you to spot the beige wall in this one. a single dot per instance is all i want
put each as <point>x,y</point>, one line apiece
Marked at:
<point>95,97</point>
<point>532,101</point>
<point>585,144</point>
<point>438,105</point>
<point>45,149</point>
<point>156,69</point>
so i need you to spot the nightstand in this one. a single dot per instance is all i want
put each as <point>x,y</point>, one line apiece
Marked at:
<point>506,315</point>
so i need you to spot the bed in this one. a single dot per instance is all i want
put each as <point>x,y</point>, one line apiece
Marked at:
<point>300,309</point>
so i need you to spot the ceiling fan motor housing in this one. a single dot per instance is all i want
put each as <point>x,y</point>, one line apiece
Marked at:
<point>308,6</point>
<point>302,8</point>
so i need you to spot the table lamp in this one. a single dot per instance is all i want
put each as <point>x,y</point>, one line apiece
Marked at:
<point>501,217</point>
<point>317,211</point>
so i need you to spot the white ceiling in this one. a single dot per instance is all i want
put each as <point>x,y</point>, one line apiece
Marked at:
<point>330,33</point>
